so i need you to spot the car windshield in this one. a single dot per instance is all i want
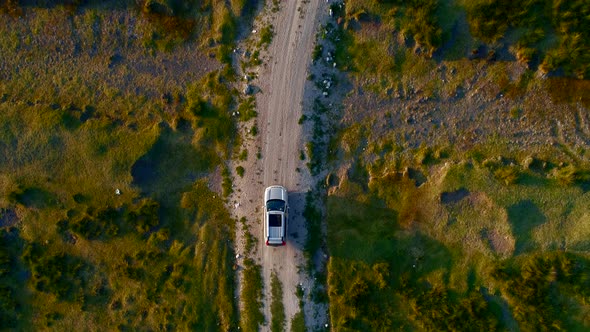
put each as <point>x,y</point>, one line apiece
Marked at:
<point>275,205</point>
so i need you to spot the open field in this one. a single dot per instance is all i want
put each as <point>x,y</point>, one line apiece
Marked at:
<point>454,149</point>
<point>459,174</point>
<point>115,124</point>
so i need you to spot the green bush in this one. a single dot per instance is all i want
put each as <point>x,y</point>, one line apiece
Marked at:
<point>266,35</point>
<point>568,36</point>
<point>145,216</point>
<point>507,174</point>
<point>227,183</point>
<point>11,286</point>
<point>240,170</point>
<point>318,50</point>
<point>101,225</point>
<point>569,175</point>
<point>247,109</point>
<point>420,21</point>
<point>538,287</point>
<point>61,274</point>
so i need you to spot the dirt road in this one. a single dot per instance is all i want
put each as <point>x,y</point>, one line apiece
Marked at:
<point>282,82</point>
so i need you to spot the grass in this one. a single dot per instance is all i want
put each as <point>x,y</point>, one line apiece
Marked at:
<point>545,33</point>
<point>227,183</point>
<point>252,316</point>
<point>542,22</point>
<point>266,35</point>
<point>158,254</point>
<point>450,234</point>
<point>417,233</point>
<point>250,239</point>
<point>277,309</point>
<point>240,171</point>
<point>247,109</point>
<point>298,320</point>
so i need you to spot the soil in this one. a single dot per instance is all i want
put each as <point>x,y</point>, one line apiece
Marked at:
<point>480,111</point>
<point>501,244</point>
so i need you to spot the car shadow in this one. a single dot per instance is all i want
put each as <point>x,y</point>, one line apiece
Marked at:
<point>296,225</point>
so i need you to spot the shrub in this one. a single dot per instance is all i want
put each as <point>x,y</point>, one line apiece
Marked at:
<point>145,216</point>
<point>243,155</point>
<point>240,171</point>
<point>103,224</point>
<point>226,184</point>
<point>515,112</point>
<point>11,286</point>
<point>507,174</point>
<point>61,274</point>
<point>247,109</point>
<point>317,52</point>
<point>537,286</point>
<point>266,35</point>
<point>254,130</point>
<point>570,174</point>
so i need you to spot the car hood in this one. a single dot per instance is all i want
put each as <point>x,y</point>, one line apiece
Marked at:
<point>276,193</point>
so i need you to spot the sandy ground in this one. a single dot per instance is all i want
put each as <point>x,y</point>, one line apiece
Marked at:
<point>283,90</point>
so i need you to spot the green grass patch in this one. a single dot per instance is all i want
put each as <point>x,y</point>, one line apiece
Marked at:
<point>277,309</point>
<point>121,229</point>
<point>250,239</point>
<point>541,286</point>
<point>247,109</point>
<point>298,320</point>
<point>240,171</point>
<point>266,35</point>
<point>14,308</point>
<point>252,316</point>
<point>425,256</point>
<point>227,182</point>
<point>541,22</point>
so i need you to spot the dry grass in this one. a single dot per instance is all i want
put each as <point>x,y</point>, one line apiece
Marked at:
<point>97,100</point>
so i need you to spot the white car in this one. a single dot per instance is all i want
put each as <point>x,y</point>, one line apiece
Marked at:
<point>276,210</point>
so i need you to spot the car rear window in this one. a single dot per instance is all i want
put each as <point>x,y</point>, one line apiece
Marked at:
<point>274,220</point>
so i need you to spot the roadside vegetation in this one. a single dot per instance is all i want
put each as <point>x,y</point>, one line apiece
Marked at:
<point>453,203</point>
<point>277,309</point>
<point>116,122</point>
<point>298,321</point>
<point>252,316</point>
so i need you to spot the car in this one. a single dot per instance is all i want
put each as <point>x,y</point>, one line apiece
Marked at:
<point>276,210</point>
